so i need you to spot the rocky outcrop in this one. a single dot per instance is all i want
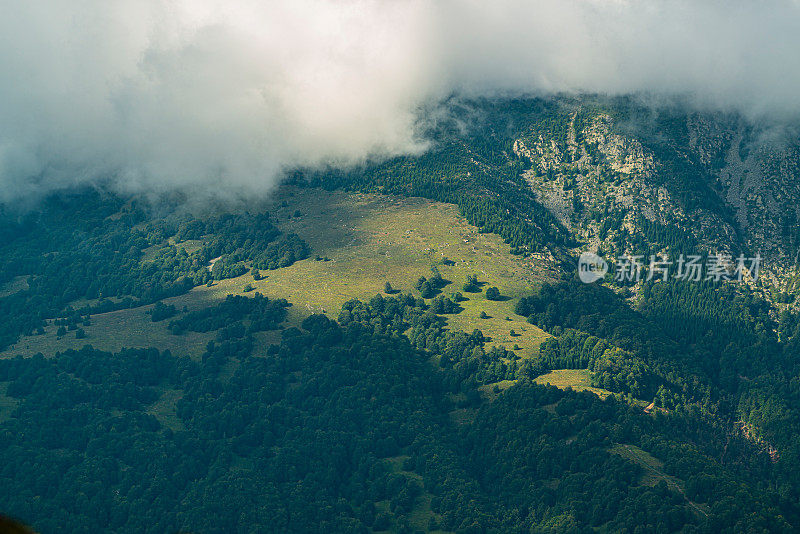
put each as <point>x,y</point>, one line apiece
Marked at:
<point>747,180</point>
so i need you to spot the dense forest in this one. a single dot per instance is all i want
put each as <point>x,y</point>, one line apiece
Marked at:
<point>707,352</point>
<point>347,426</point>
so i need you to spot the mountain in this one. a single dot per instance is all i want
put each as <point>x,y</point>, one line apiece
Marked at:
<point>406,345</point>
<point>714,178</point>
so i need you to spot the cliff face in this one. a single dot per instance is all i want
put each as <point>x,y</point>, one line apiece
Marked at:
<point>618,177</point>
<point>761,184</point>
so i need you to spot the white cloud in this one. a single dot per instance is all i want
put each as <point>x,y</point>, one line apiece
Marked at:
<point>197,93</point>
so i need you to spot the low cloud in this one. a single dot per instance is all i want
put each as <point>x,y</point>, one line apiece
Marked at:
<point>204,94</point>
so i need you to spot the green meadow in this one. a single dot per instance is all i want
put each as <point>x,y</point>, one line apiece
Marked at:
<point>576,379</point>
<point>358,243</point>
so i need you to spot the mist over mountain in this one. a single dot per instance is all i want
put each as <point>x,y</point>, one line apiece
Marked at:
<point>224,96</point>
<point>321,266</point>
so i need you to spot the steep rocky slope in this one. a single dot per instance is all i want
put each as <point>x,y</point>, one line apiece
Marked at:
<point>629,179</point>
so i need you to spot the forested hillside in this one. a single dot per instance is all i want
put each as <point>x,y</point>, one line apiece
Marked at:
<point>251,399</point>
<point>609,174</point>
<point>86,252</point>
<point>348,427</point>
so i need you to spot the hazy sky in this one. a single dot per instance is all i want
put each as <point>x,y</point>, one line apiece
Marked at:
<point>158,94</point>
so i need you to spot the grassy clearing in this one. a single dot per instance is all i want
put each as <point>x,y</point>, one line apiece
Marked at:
<point>652,466</point>
<point>7,404</point>
<point>653,472</point>
<point>113,331</point>
<point>491,391</point>
<point>15,285</point>
<point>422,513</point>
<point>576,379</point>
<point>149,254</point>
<point>367,240</point>
<point>372,239</point>
<point>190,245</point>
<point>165,409</point>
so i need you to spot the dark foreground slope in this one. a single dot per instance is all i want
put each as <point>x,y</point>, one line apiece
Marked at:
<point>344,427</point>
